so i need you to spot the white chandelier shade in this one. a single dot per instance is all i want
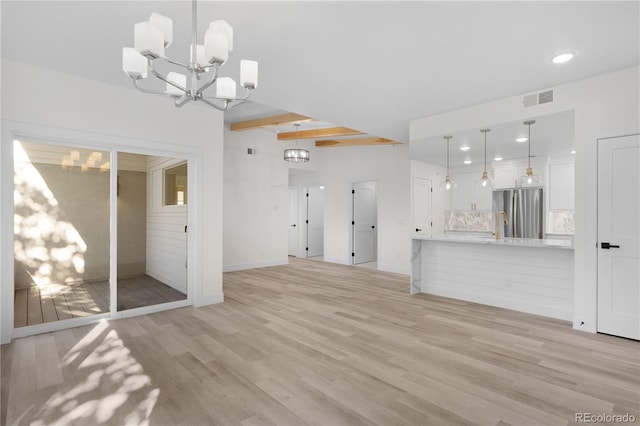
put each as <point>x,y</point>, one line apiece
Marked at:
<point>153,36</point>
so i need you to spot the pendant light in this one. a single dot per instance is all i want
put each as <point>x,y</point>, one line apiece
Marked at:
<point>529,178</point>
<point>296,155</point>
<point>448,184</point>
<point>485,180</point>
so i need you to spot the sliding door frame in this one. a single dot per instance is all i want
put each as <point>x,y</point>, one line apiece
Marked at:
<point>108,143</point>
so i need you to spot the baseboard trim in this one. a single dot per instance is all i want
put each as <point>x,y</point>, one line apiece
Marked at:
<point>264,264</point>
<point>394,269</point>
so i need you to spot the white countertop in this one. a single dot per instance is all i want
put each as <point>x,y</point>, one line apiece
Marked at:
<point>521,242</point>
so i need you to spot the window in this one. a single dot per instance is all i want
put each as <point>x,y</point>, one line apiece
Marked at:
<point>175,185</point>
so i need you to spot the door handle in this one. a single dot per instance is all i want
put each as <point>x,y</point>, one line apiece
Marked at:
<point>294,225</point>
<point>373,227</point>
<point>418,229</point>
<point>607,246</point>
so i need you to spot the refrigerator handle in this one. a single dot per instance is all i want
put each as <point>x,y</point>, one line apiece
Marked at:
<point>514,217</point>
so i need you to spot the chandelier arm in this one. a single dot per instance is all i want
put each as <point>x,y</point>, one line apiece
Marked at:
<point>153,92</point>
<point>171,61</point>
<point>214,77</point>
<point>163,78</point>
<point>182,100</point>
<point>218,107</point>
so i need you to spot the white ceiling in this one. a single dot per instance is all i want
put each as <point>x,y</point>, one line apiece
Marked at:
<point>371,66</point>
<point>551,135</point>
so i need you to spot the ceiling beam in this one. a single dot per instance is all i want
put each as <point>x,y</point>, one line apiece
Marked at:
<point>355,142</point>
<point>275,120</point>
<point>318,133</point>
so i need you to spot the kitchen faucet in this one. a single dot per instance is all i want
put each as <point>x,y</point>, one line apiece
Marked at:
<point>506,222</point>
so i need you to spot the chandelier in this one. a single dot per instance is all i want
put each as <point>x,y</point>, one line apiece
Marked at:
<point>296,155</point>
<point>153,36</point>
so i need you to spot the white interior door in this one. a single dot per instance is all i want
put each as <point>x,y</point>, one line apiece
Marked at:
<point>315,221</point>
<point>293,221</point>
<point>619,236</point>
<point>364,224</point>
<point>422,192</point>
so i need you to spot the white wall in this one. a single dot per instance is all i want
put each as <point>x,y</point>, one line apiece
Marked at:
<point>45,104</point>
<point>256,201</point>
<point>340,168</point>
<point>606,105</point>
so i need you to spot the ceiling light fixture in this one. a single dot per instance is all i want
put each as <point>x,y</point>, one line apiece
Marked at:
<point>485,180</point>
<point>563,58</point>
<point>529,178</point>
<point>153,36</point>
<point>522,139</point>
<point>296,155</point>
<point>573,151</point>
<point>498,158</point>
<point>465,148</point>
<point>448,183</point>
<point>467,161</point>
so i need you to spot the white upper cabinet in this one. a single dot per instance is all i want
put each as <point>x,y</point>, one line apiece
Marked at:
<point>562,186</point>
<point>469,194</point>
<point>505,177</point>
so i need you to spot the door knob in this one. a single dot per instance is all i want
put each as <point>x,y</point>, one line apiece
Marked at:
<point>607,246</point>
<point>373,227</point>
<point>294,225</point>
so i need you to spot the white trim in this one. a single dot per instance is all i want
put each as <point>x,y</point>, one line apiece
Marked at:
<point>394,269</point>
<point>254,265</point>
<point>337,260</point>
<point>58,136</point>
<point>210,299</point>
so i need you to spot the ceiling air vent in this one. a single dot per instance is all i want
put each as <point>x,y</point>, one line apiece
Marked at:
<point>538,98</point>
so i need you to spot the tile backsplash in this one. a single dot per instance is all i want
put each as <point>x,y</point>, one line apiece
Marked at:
<point>561,222</point>
<point>468,221</point>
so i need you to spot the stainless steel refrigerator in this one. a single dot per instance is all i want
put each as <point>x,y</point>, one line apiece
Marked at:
<point>525,211</point>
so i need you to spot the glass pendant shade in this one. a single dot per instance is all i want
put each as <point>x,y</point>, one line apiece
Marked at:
<point>148,38</point>
<point>165,25</point>
<point>216,47</point>
<point>224,27</point>
<point>248,73</point>
<point>448,184</point>
<point>134,64</point>
<point>226,88</point>
<point>529,178</point>
<point>296,155</point>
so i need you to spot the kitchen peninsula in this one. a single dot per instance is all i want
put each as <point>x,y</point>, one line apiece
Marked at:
<point>523,274</point>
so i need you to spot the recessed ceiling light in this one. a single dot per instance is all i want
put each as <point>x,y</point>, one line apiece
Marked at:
<point>573,151</point>
<point>465,148</point>
<point>467,161</point>
<point>498,158</point>
<point>562,58</point>
<point>522,139</point>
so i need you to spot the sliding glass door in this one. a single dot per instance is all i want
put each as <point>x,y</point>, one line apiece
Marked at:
<point>70,261</point>
<point>61,233</point>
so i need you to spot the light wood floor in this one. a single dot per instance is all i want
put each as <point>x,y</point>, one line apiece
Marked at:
<point>37,305</point>
<point>315,343</point>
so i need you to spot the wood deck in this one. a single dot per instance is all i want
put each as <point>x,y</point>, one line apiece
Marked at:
<point>37,305</point>
<point>320,344</point>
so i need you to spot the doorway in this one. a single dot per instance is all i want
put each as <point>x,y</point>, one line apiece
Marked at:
<point>619,236</point>
<point>314,222</point>
<point>364,222</point>
<point>422,192</point>
<point>293,221</point>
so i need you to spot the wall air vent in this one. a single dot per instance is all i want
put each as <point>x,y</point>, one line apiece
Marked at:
<point>538,98</point>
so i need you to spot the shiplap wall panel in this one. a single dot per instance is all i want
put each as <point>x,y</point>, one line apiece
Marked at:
<point>529,279</point>
<point>166,239</point>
